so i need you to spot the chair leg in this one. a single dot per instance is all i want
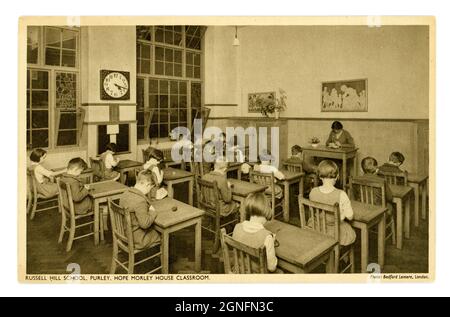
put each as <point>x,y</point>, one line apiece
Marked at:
<point>115,255</point>
<point>33,210</point>
<point>216,235</point>
<point>352,260</point>
<point>62,230</point>
<point>392,227</point>
<point>130,263</point>
<point>71,235</point>
<point>336,259</point>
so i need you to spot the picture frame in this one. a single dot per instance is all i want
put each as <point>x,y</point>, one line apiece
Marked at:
<point>253,106</point>
<point>344,96</point>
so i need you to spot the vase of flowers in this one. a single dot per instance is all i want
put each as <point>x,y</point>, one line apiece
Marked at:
<point>273,105</point>
<point>314,142</point>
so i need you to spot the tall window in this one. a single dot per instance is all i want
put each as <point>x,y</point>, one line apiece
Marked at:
<point>169,79</point>
<point>52,86</point>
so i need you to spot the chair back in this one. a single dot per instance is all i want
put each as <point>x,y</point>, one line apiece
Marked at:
<point>368,191</point>
<point>65,199</point>
<point>319,217</point>
<point>31,183</point>
<point>98,166</point>
<point>208,195</point>
<point>246,260</point>
<point>266,179</point>
<point>395,178</point>
<point>293,167</point>
<point>121,226</point>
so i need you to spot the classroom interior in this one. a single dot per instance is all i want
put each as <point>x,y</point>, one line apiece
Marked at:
<point>176,74</point>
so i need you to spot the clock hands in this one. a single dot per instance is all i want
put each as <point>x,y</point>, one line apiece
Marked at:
<point>120,87</point>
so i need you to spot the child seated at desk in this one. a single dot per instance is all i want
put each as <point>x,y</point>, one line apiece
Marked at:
<point>267,168</point>
<point>328,194</point>
<point>308,166</point>
<point>396,159</point>
<point>252,232</point>
<point>110,162</point>
<point>219,174</point>
<point>44,178</point>
<point>369,166</point>
<point>82,202</point>
<point>155,165</point>
<point>142,213</point>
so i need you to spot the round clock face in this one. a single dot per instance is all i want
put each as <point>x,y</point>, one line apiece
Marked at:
<point>115,85</point>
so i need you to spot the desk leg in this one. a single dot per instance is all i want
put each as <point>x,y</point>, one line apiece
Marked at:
<point>344,172</point>
<point>364,248</point>
<point>241,210</point>
<point>198,245</point>
<point>191,192</point>
<point>329,268</point>
<point>424,199</point>
<point>416,186</point>
<point>301,185</point>
<point>96,220</point>
<point>355,165</point>
<point>165,252</point>
<point>239,172</point>
<point>399,211</point>
<point>169,189</point>
<point>122,177</point>
<point>407,216</point>
<point>287,188</point>
<point>381,241</point>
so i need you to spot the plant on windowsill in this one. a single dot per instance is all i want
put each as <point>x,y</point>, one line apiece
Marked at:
<point>272,106</point>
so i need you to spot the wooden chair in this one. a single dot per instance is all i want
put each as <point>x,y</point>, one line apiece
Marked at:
<point>123,241</point>
<point>293,166</point>
<point>366,192</point>
<point>208,200</point>
<point>319,215</point>
<point>98,168</point>
<point>395,178</point>
<point>268,180</point>
<point>36,200</point>
<point>70,222</point>
<point>246,260</point>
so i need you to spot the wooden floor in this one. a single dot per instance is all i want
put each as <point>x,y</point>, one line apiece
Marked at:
<point>46,256</point>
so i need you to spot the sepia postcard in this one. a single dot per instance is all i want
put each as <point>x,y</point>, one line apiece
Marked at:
<point>226,149</point>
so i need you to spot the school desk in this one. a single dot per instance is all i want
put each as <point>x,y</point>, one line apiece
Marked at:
<point>126,166</point>
<point>401,196</point>
<point>169,220</point>
<point>344,154</point>
<point>100,192</point>
<point>289,179</point>
<point>241,190</point>
<point>301,250</point>
<point>420,185</point>
<point>174,176</point>
<point>235,166</point>
<point>365,217</point>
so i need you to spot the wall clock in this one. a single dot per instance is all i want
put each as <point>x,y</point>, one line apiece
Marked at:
<point>114,85</point>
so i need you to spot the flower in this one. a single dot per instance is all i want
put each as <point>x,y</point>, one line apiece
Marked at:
<point>271,104</point>
<point>314,140</point>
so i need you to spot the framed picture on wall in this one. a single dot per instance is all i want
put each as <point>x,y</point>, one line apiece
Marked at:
<point>256,99</point>
<point>344,96</point>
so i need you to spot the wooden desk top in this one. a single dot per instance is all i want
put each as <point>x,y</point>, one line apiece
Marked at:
<point>291,175</point>
<point>299,246</point>
<point>175,173</point>
<point>243,189</point>
<point>106,188</point>
<point>128,164</point>
<point>323,148</point>
<point>416,178</point>
<point>400,191</point>
<point>366,213</point>
<point>166,217</point>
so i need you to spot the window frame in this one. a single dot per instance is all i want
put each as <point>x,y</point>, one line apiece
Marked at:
<point>52,70</point>
<point>147,77</point>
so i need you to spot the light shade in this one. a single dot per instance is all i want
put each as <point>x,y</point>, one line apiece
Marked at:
<point>236,42</point>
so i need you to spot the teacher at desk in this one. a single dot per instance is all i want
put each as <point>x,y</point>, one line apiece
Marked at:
<point>339,137</point>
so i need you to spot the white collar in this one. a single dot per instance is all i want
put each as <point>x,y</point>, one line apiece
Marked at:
<point>252,226</point>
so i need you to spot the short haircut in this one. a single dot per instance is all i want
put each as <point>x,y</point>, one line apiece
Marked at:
<point>112,147</point>
<point>296,149</point>
<point>36,155</point>
<point>256,204</point>
<point>337,125</point>
<point>220,163</point>
<point>328,169</point>
<point>397,157</point>
<point>145,176</point>
<point>156,154</point>
<point>77,162</point>
<point>369,165</point>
